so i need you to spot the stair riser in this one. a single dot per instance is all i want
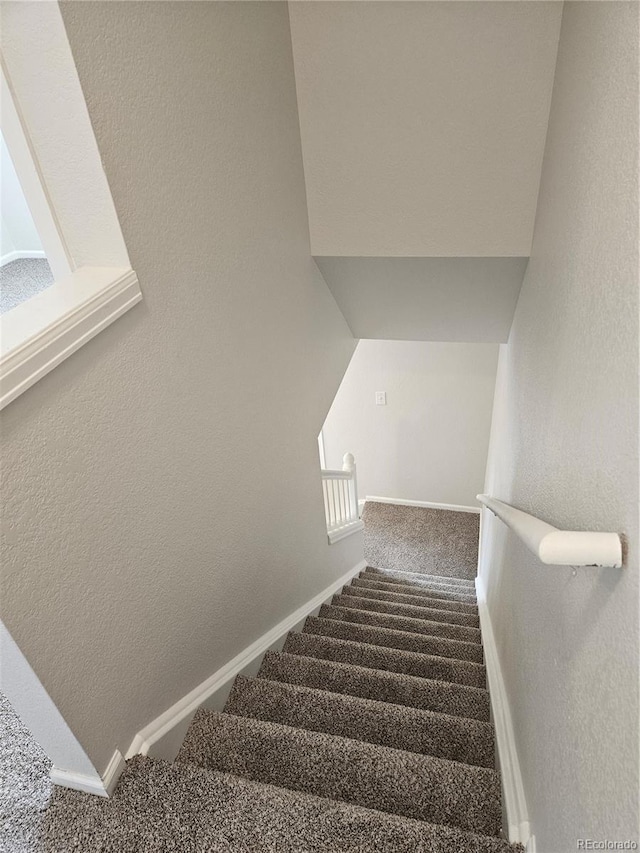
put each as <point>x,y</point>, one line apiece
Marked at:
<point>392,660</point>
<point>415,600</point>
<point>388,638</point>
<point>408,589</point>
<point>400,623</point>
<point>423,732</point>
<point>395,688</point>
<point>403,783</point>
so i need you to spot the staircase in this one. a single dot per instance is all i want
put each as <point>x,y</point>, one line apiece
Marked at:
<point>369,731</point>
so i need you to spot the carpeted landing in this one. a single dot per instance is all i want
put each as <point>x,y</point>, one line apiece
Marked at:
<point>419,539</point>
<point>369,731</point>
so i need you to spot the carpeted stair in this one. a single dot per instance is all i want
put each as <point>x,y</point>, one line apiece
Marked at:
<point>369,731</point>
<point>377,707</point>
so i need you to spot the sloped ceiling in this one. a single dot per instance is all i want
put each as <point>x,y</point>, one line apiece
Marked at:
<point>423,127</point>
<point>426,299</point>
<point>423,124</point>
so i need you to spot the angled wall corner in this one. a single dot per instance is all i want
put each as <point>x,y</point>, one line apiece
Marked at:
<point>31,702</point>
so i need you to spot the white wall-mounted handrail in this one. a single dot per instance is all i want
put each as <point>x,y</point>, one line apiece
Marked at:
<point>340,492</point>
<point>558,547</point>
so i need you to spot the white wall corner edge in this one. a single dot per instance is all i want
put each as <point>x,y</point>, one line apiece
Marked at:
<point>518,827</point>
<point>101,786</point>
<point>427,504</point>
<point>189,704</point>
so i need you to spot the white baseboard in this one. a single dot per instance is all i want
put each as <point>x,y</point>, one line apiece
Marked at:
<point>190,703</point>
<point>342,532</point>
<point>518,827</point>
<point>427,504</point>
<point>99,786</point>
<point>18,255</point>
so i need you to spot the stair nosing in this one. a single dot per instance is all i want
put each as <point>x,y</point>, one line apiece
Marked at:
<point>373,756</point>
<point>469,607</point>
<point>393,630</point>
<point>468,690</point>
<point>440,594</point>
<point>474,667</point>
<point>445,578</point>
<point>414,607</point>
<point>430,718</point>
<point>430,622</point>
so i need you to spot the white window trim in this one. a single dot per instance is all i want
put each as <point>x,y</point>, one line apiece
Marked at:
<point>32,183</point>
<point>43,331</point>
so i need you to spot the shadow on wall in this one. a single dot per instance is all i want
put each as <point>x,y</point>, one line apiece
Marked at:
<point>415,539</point>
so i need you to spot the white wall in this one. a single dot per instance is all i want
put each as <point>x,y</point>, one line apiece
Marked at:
<point>564,447</point>
<point>429,443</point>
<point>423,124</point>
<point>161,487</point>
<point>19,233</point>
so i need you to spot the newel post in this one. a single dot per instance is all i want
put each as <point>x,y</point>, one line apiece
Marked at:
<point>349,464</point>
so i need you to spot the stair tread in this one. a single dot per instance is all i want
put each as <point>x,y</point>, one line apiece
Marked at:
<point>408,589</point>
<point>390,780</point>
<point>437,586</point>
<point>219,813</point>
<point>413,730</point>
<point>424,582</point>
<point>444,578</point>
<point>390,638</point>
<point>417,600</point>
<point>380,657</point>
<point>401,623</point>
<point>383,685</point>
<point>378,605</point>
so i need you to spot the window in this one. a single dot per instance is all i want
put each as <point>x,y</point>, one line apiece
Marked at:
<point>51,147</point>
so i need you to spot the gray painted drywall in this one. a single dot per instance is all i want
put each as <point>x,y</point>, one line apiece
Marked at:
<point>423,124</point>
<point>161,487</point>
<point>564,446</point>
<point>429,443</point>
<point>426,299</point>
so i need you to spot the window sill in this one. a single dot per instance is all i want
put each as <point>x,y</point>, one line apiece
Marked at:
<point>43,331</point>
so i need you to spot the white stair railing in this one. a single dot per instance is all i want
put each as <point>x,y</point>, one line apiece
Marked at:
<point>340,492</point>
<point>558,547</point>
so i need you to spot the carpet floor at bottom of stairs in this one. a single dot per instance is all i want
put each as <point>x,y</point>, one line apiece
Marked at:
<point>369,731</point>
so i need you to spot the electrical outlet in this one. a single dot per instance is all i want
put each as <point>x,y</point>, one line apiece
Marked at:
<point>381,398</point>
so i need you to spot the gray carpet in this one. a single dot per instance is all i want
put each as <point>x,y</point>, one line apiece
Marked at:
<point>22,279</point>
<point>24,784</point>
<point>415,539</point>
<point>158,808</point>
<point>347,770</point>
<point>370,731</point>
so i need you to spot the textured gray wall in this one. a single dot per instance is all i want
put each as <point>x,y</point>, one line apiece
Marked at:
<point>161,487</point>
<point>564,447</point>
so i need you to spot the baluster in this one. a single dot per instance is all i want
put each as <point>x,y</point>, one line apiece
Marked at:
<point>326,503</point>
<point>332,504</point>
<point>349,464</point>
